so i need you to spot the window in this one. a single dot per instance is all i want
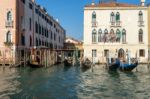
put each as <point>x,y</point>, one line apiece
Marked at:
<point>118,35</point>
<point>36,11</point>
<point>140,36</point>
<point>112,36</point>
<point>94,53</point>
<point>36,27</point>
<point>142,53</point>
<point>37,42</point>
<point>9,16</point>
<point>22,39</point>
<point>39,13</point>
<point>54,36</point>
<point>123,36</point>
<point>100,35</point>
<point>30,41</point>
<point>94,18</point>
<point>106,52</point>
<point>118,16</point>
<point>40,29</point>
<point>105,35</point>
<point>140,16</point>
<point>51,35</point>
<point>8,37</point>
<point>42,43</point>
<point>30,24</point>
<point>112,17</point>
<point>30,6</point>
<point>94,36</point>
<point>23,1</point>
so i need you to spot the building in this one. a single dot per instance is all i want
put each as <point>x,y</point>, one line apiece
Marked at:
<point>113,29</point>
<point>72,43</point>
<point>25,24</point>
<point>73,46</point>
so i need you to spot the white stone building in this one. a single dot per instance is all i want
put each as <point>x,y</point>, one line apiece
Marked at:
<point>116,29</point>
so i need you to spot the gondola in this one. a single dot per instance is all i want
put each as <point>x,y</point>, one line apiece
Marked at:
<point>86,64</point>
<point>114,66</point>
<point>128,67</point>
<point>34,65</point>
<point>68,62</point>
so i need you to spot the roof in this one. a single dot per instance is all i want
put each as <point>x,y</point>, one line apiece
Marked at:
<point>73,39</point>
<point>112,4</point>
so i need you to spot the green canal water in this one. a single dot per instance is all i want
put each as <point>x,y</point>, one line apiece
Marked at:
<point>59,82</point>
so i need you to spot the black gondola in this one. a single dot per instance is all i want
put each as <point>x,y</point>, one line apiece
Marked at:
<point>114,66</point>
<point>86,64</point>
<point>68,62</point>
<point>34,65</point>
<point>128,67</point>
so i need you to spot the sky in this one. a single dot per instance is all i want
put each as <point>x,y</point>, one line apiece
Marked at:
<point>70,13</point>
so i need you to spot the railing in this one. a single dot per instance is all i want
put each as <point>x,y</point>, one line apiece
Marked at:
<point>9,23</point>
<point>141,23</point>
<point>118,23</point>
<point>112,24</point>
<point>115,24</point>
<point>94,24</point>
<point>8,43</point>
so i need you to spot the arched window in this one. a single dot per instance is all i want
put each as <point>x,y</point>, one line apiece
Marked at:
<point>140,36</point>
<point>94,36</point>
<point>112,35</point>
<point>105,35</point>
<point>94,19</point>
<point>9,16</point>
<point>8,37</point>
<point>117,16</point>
<point>123,36</point>
<point>118,35</point>
<point>140,16</point>
<point>94,16</point>
<point>112,17</point>
<point>100,35</point>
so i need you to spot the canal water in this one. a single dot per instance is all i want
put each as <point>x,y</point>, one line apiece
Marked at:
<point>60,82</point>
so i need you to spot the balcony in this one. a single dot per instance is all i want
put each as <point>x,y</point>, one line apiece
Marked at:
<point>118,24</point>
<point>9,44</point>
<point>112,24</point>
<point>9,23</point>
<point>94,24</point>
<point>140,23</point>
<point>115,24</point>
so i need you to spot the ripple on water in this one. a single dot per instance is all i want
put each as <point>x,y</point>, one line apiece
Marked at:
<point>60,82</point>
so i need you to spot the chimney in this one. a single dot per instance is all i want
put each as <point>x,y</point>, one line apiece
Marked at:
<point>93,3</point>
<point>142,2</point>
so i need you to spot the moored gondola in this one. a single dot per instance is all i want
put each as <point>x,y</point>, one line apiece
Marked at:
<point>86,64</point>
<point>128,67</point>
<point>114,66</point>
<point>68,62</point>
